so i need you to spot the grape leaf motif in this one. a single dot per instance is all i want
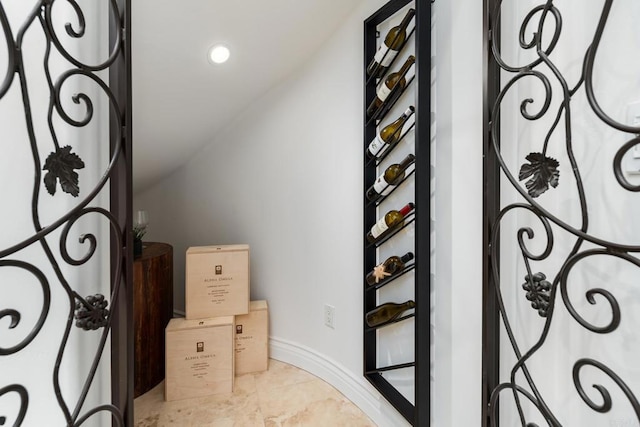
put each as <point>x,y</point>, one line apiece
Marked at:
<point>60,166</point>
<point>543,172</point>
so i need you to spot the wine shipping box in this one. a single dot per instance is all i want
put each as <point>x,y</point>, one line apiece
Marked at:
<point>199,357</point>
<point>252,339</point>
<point>217,281</point>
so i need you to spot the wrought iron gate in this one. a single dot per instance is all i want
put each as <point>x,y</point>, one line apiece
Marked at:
<point>560,205</point>
<point>50,287</point>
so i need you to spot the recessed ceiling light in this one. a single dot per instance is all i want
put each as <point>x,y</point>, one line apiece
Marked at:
<point>219,54</point>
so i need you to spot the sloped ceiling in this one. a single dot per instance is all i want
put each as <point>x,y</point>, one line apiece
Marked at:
<point>180,100</point>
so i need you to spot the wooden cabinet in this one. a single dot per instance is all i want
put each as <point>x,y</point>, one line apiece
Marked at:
<point>152,310</point>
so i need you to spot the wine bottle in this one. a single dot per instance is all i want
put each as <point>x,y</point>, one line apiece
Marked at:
<point>394,79</point>
<point>389,179</point>
<point>389,49</point>
<point>387,312</point>
<point>387,223</point>
<point>391,266</point>
<point>388,135</point>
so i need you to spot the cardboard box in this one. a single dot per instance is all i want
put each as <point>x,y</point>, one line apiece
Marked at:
<point>252,339</point>
<point>217,281</point>
<point>199,357</point>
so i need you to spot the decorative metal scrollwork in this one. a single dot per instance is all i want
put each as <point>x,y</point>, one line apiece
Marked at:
<point>539,33</point>
<point>63,168</point>
<point>607,403</point>
<point>24,402</point>
<point>16,316</point>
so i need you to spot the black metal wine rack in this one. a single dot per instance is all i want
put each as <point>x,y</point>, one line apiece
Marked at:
<point>417,413</point>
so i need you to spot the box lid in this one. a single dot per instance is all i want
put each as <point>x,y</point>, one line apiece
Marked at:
<point>180,323</point>
<point>217,248</point>
<point>258,305</point>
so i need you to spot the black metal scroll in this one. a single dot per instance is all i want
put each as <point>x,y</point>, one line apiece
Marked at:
<point>539,173</point>
<point>58,171</point>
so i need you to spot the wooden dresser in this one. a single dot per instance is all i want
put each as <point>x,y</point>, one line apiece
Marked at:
<point>152,309</point>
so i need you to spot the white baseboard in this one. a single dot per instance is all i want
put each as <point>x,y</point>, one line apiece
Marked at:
<point>355,388</point>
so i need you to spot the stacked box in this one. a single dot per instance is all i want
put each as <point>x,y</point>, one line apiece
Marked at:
<point>217,281</point>
<point>252,339</point>
<point>224,333</point>
<point>199,357</point>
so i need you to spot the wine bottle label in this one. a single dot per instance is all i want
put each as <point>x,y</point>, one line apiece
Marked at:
<point>379,228</point>
<point>385,61</point>
<point>381,186</point>
<point>383,92</point>
<point>376,145</point>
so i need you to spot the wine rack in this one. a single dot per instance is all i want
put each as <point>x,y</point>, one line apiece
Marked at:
<point>413,281</point>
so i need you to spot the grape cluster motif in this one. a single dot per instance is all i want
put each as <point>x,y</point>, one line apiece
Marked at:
<point>538,290</point>
<point>92,313</point>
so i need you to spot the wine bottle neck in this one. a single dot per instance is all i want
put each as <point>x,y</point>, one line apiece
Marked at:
<point>407,18</point>
<point>406,209</point>
<point>407,64</point>
<point>407,257</point>
<point>409,111</point>
<point>407,161</point>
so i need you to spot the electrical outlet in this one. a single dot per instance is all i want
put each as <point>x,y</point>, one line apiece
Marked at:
<point>631,163</point>
<point>329,316</point>
<point>633,119</point>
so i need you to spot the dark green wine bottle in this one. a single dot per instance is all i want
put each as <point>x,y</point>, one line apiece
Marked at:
<point>387,312</point>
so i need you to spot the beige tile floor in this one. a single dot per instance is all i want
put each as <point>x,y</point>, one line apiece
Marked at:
<point>282,396</point>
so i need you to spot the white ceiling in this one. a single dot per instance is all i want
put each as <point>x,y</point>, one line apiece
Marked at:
<point>180,100</point>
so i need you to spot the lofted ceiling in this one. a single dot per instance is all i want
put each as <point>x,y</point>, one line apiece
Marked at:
<point>180,100</point>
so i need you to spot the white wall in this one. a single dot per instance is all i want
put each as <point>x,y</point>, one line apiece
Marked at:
<point>33,366</point>
<point>458,216</point>
<point>286,178</point>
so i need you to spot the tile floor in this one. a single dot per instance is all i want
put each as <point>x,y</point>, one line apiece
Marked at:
<point>282,396</point>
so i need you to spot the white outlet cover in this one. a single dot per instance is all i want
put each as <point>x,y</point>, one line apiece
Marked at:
<point>632,165</point>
